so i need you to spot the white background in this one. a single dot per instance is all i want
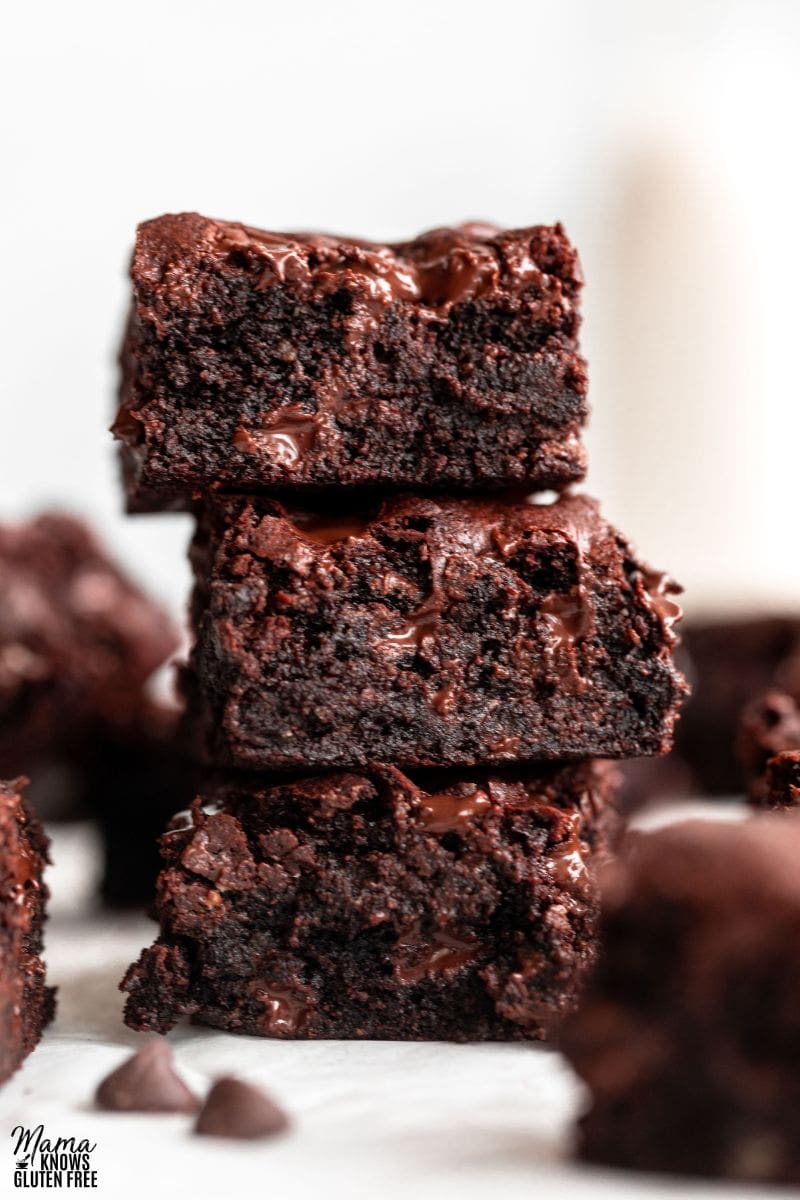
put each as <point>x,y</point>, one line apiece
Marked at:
<point>663,134</point>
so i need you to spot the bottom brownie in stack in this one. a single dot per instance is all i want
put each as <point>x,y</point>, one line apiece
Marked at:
<point>26,1003</point>
<point>369,905</point>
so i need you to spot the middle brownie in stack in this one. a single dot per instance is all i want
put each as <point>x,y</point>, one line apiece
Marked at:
<point>399,698</point>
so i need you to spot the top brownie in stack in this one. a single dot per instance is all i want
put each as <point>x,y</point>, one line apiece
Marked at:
<point>257,361</point>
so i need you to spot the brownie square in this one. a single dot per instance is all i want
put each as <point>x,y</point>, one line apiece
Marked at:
<point>456,906</point>
<point>77,638</point>
<point>255,360</point>
<point>26,1003</point>
<point>432,632</point>
<point>688,1031</point>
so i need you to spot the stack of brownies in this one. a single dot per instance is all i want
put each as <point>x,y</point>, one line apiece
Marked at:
<point>406,664</point>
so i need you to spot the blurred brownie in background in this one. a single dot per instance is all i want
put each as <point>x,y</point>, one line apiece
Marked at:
<point>779,786</point>
<point>769,726</point>
<point>688,1032</point>
<point>729,664</point>
<point>79,644</point>
<point>77,639</point>
<point>136,776</point>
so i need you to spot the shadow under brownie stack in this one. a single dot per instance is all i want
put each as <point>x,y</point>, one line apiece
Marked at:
<point>405,676</point>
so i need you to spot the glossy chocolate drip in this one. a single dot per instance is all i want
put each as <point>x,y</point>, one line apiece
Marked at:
<point>418,625</point>
<point>327,530</point>
<point>658,588</point>
<point>284,1012</point>
<point>426,956</point>
<point>451,273</point>
<point>287,436</point>
<point>446,812</point>
<point>438,269</point>
<point>567,860</point>
<point>283,258</point>
<point>567,619</point>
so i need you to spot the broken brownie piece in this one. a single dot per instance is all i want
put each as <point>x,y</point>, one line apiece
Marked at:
<point>688,1032</point>
<point>26,1003</point>
<point>77,637</point>
<point>257,360</point>
<point>433,632</point>
<point>461,906</point>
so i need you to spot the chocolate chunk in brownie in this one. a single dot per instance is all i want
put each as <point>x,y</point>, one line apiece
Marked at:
<point>26,1003</point>
<point>371,906</point>
<point>688,1032</point>
<point>257,360</point>
<point>434,632</point>
<point>729,662</point>
<point>76,638</point>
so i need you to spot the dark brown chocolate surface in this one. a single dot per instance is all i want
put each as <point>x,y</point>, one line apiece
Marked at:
<point>429,633</point>
<point>255,360</point>
<point>26,1003</point>
<point>369,906</point>
<point>688,1033</point>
